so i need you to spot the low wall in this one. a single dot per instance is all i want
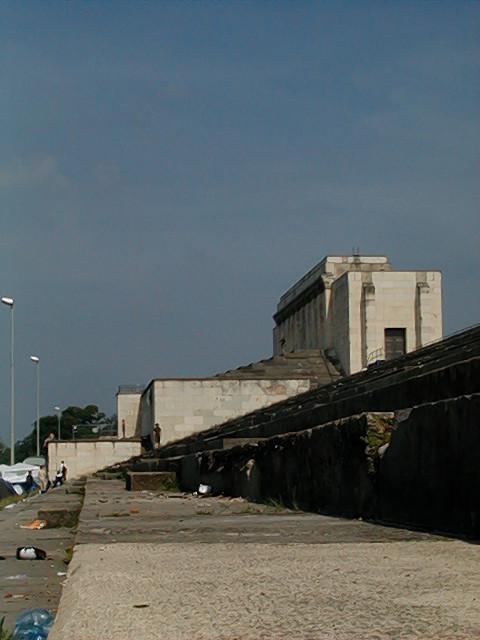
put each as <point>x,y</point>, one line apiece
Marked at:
<point>427,476</point>
<point>87,456</point>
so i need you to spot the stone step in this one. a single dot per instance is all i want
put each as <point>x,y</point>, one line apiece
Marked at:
<point>151,481</point>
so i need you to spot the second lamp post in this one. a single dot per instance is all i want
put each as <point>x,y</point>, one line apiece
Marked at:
<point>36,359</point>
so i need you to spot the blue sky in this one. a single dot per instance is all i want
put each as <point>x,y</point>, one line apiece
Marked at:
<point>169,169</point>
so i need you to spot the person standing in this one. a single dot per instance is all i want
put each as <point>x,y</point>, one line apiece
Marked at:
<point>157,435</point>
<point>123,429</point>
<point>48,439</point>
<point>30,482</point>
<point>42,479</point>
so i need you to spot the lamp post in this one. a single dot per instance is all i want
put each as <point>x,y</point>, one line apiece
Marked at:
<point>36,359</point>
<point>59,413</point>
<point>10,302</point>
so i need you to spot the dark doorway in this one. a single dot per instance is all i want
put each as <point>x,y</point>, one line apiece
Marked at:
<point>394,343</point>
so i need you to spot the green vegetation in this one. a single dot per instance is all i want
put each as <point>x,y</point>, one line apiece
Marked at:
<point>170,483</point>
<point>378,433</point>
<point>67,558</point>
<point>11,499</point>
<point>275,505</point>
<point>5,634</point>
<point>4,453</point>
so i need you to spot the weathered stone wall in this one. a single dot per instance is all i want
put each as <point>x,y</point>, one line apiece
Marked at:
<point>327,469</point>
<point>427,476</point>
<point>184,406</point>
<point>87,456</point>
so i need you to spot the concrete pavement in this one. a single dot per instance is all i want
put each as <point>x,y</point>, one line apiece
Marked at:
<point>175,566</point>
<point>33,583</point>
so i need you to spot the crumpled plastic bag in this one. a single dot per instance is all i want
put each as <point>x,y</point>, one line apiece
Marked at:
<point>33,624</point>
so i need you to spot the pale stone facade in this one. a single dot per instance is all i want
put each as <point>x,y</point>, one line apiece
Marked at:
<point>359,310</point>
<point>186,406</point>
<point>128,403</point>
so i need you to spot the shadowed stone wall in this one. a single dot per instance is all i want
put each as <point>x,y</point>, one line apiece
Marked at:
<point>427,476</point>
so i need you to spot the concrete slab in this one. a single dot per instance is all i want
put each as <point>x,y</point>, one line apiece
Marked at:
<point>174,566</point>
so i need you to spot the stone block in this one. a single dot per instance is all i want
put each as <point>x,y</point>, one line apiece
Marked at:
<point>151,480</point>
<point>61,517</point>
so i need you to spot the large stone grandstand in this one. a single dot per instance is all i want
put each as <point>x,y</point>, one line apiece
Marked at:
<point>398,442</point>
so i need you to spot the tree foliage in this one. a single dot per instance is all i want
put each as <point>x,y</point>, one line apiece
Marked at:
<point>4,453</point>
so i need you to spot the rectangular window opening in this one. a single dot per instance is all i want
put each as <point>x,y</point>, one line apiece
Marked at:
<point>395,343</point>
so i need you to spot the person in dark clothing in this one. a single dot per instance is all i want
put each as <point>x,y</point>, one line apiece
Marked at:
<point>30,482</point>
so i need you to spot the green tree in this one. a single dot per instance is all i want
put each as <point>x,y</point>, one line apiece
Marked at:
<point>84,420</point>
<point>4,453</point>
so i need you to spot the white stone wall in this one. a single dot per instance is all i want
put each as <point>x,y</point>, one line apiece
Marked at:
<point>127,409</point>
<point>409,300</point>
<point>86,456</point>
<point>183,407</point>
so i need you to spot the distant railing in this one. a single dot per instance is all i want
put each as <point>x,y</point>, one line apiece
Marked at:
<point>131,388</point>
<point>373,356</point>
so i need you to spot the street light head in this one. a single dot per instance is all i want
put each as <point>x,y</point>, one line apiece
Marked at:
<point>35,358</point>
<point>57,408</point>
<point>7,300</point>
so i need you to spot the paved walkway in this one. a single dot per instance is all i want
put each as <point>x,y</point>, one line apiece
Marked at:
<point>32,583</point>
<point>174,567</point>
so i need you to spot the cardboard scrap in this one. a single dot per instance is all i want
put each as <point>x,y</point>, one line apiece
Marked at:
<point>34,524</point>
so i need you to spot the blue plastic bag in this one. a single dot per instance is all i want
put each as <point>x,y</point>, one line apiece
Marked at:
<point>33,624</point>
<point>30,632</point>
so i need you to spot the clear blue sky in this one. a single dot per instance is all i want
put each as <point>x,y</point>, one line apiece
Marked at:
<point>169,169</point>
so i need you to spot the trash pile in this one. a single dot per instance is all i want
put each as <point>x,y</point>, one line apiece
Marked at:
<point>33,624</point>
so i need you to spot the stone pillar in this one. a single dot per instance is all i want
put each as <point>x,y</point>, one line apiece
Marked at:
<point>421,301</point>
<point>298,328</point>
<point>320,331</point>
<point>369,339</point>
<point>327,319</point>
<point>305,327</point>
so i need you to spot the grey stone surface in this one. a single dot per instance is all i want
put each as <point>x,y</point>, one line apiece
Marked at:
<point>33,583</point>
<point>177,566</point>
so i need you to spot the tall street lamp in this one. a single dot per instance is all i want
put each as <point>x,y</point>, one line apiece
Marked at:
<point>59,413</point>
<point>36,359</point>
<point>10,302</point>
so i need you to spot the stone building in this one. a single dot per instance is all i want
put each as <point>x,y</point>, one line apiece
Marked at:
<point>359,310</point>
<point>183,406</point>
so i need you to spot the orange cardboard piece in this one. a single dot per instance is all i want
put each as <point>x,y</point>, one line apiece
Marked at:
<point>34,524</point>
